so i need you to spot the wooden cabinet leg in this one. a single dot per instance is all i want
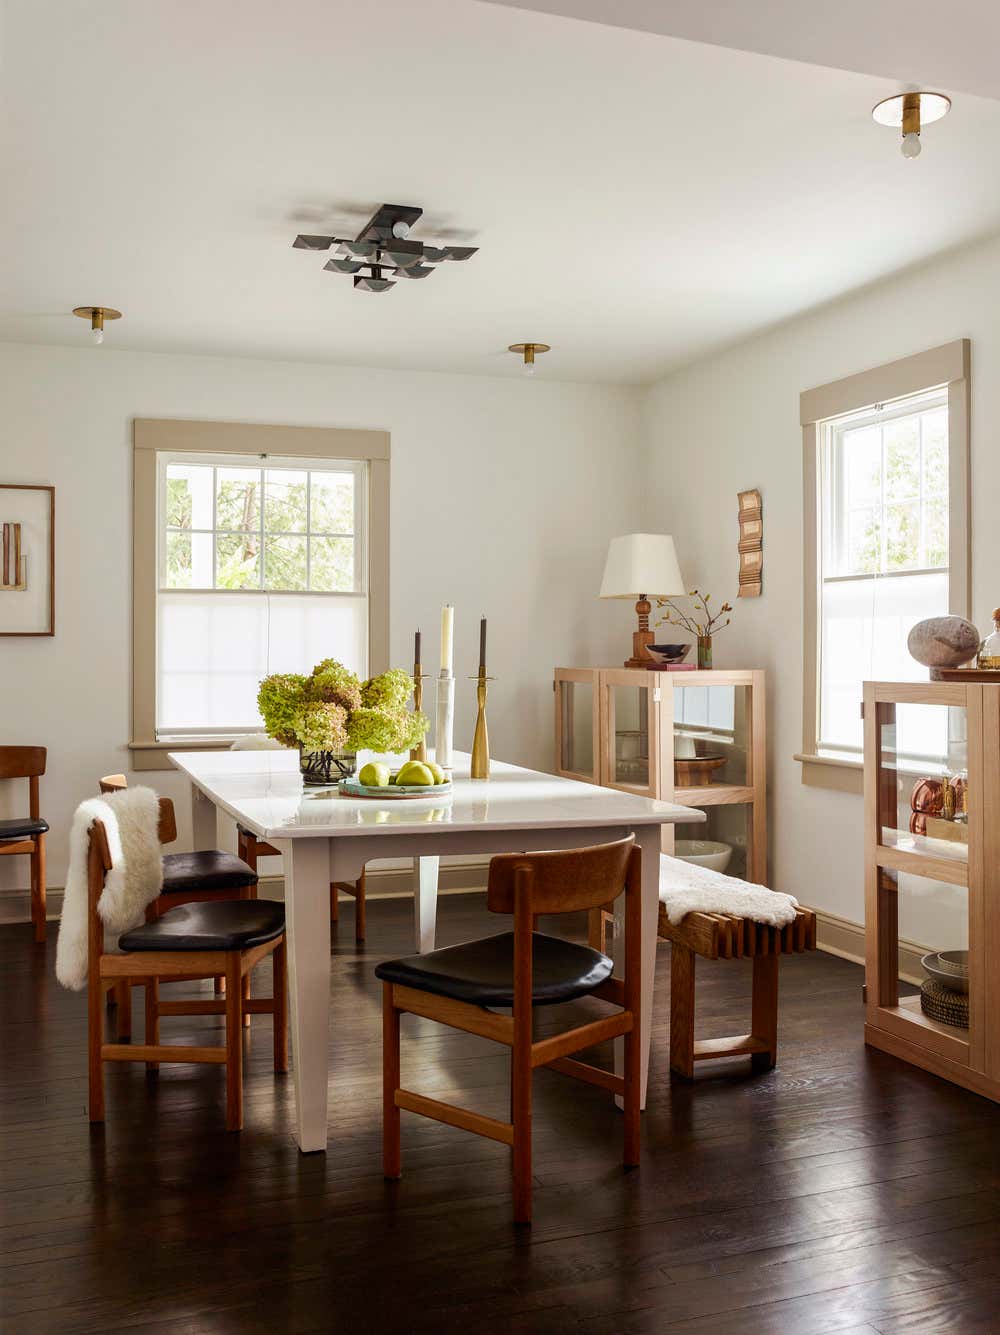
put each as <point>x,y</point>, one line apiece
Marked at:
<point>234,1044</point>
<point>391,1148</point>
<point>682,1010</point>
<point>764,1017</point>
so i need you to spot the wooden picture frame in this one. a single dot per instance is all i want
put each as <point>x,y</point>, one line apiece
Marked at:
<point>28,537</point>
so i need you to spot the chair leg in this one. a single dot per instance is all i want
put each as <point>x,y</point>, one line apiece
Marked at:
<point>123,1019</point>
<point>95,1038</point>
<point>220,985</point>
<point>360,917</point>
<point>234,1044</point>
<point>391,1147</point>
<point>764,1010</point>
<point>631,1100</point>
<point>38,895</point>
<point>334,904</point>
<point>245,984</point>
<point>152,1032</point>
<point>682,1010</point>
<point>597,929</point>
<point>521,1118</point>
<point>279,966</point>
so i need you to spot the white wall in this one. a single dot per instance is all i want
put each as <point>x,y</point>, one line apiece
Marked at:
<point>732,422</point>
<point>504,496</point>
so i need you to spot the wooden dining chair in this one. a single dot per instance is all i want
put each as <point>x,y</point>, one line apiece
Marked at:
<point>461,986</point>
<point>251,848</point>
<point>25,835</point>
<point>192,941</point>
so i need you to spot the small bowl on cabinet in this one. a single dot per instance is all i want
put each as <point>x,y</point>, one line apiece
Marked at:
<point>708,853</point>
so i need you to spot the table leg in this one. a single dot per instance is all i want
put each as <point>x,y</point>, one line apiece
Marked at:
<point>425,893</point>
<point>648,839</point>
<point>203,819</point>
<point>307,926</point>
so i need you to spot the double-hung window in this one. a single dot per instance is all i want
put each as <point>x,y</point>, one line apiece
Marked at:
<point>257,549</point>
<point>886,511</point>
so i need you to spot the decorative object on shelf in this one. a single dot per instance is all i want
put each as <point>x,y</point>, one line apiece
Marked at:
<point>330,715</point>
<point>944,1004</point>
<point>642,566</point>
<point>672,654</point>
<point>480,767</point>
<point>989,651</point>
<point>950,968</point>
<point>27,574</point>
<point>444,728</point>
<point>97,316</point>
<point>751,544</point>
<point>710,853</point>
<point>528,351</point>
<point>384,251</point>
<point>419,752</point>
<point>939,808</point>
<point>909,112</point>
<point>943,642</point>
<point>700,622</point>
<point>696,771</point>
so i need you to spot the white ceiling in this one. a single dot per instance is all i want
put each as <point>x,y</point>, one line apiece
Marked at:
<point>638,199</point>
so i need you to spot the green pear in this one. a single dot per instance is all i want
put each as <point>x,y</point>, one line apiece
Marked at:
<point>374,775</point>
<point>415,774</point>
<point>437,771</point>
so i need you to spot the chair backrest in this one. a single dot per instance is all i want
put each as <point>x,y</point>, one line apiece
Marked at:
<point>563,881</point>
<point>99,860</point>
<point>113,783</point>
<point>118,783</point>
<point>24,762</point>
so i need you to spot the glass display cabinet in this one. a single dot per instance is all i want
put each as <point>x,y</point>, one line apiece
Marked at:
<point>932,876</point>
<point>696,738</point>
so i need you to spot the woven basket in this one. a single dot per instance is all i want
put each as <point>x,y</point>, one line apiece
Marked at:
<point>940,1003</point>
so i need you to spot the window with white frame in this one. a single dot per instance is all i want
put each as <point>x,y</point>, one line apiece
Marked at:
<point>884,559</point>
<point>262,567</point>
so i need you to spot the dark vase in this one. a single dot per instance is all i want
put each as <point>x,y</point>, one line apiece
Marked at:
<point>325,769</point>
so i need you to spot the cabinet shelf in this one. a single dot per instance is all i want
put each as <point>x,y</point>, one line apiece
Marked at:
<point>714,794</point>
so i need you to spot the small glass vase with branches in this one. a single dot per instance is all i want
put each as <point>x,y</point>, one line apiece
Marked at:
<point>699,621</point>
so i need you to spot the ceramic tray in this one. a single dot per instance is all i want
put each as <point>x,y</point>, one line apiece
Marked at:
<point>393,791</point>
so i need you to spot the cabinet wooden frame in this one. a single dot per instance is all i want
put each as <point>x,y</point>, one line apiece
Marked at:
<point>661,716</point>
<point>897,1025</point>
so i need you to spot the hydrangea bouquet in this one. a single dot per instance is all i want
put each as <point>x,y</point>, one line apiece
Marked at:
<point>331,715</point>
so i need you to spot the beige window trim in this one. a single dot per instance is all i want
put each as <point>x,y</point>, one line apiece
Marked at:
<point>946,365</point>
<point>153,435</point>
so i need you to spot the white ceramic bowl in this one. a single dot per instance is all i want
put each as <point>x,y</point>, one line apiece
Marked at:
<point>704,853</point>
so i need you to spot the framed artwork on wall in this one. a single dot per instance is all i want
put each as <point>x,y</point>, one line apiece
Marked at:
<point>27,559</point>
<point>751,543</point>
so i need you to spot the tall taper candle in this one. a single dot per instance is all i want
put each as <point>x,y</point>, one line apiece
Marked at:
<point>482,642</point>
<point>447,638</point>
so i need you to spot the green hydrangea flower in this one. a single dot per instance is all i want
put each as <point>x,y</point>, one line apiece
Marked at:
<point>390,690</point>
<point>375,729</point>
<point>279,699</point>
<point>322,726</point>
<point>333,683</point>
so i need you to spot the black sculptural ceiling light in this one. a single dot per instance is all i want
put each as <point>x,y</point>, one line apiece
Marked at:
<point>383,251</point>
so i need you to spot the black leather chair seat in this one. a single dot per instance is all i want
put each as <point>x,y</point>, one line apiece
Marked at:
<point>26,828</point>
<point>217,924</point>
<point>482,972</point>
<point>208,869</point>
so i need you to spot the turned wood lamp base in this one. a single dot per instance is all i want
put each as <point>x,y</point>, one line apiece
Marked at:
<point>641,657</point>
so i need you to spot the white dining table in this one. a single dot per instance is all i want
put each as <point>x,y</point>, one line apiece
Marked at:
<point>325,837</point>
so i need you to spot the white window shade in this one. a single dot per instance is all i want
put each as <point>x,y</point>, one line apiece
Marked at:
<point>213,648</point>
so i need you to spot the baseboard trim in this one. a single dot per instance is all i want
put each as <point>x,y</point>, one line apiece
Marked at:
<point>459,878</point>
<point>846,939</point>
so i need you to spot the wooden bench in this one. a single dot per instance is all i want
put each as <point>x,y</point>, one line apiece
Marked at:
<point>722,936</point>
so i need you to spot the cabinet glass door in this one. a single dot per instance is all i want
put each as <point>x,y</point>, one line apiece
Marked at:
<point>577,724</point>
<point>923,780</point>
<point>711,735</point>
<point>631,731</point>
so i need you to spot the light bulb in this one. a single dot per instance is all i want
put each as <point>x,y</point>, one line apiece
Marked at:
<point>910,147</point>
<point>400,229</point>
<point>97,335</point>
<point>529,368</point>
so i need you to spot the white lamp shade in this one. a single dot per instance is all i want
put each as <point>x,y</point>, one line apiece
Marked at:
<point>642,563</point>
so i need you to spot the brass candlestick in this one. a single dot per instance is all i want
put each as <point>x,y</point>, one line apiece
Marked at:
<point>480,768</point>
<point>419,752</point>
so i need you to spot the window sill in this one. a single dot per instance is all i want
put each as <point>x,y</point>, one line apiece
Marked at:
<point>154,755</point>
<point>844,776</point>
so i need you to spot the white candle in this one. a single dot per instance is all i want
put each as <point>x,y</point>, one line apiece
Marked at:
<point>447,639</point>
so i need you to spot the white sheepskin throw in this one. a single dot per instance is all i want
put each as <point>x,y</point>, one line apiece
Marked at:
<point>131,820</point>
<point>688,888</point>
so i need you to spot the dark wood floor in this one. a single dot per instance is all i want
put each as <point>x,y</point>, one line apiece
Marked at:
<point>845,1191</point>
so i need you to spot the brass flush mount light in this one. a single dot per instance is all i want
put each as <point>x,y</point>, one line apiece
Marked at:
<point>527,351</point>
<point>909,112</point>
<point>97,315</point>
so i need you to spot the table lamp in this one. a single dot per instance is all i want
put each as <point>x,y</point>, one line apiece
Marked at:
<point>640,566</point>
